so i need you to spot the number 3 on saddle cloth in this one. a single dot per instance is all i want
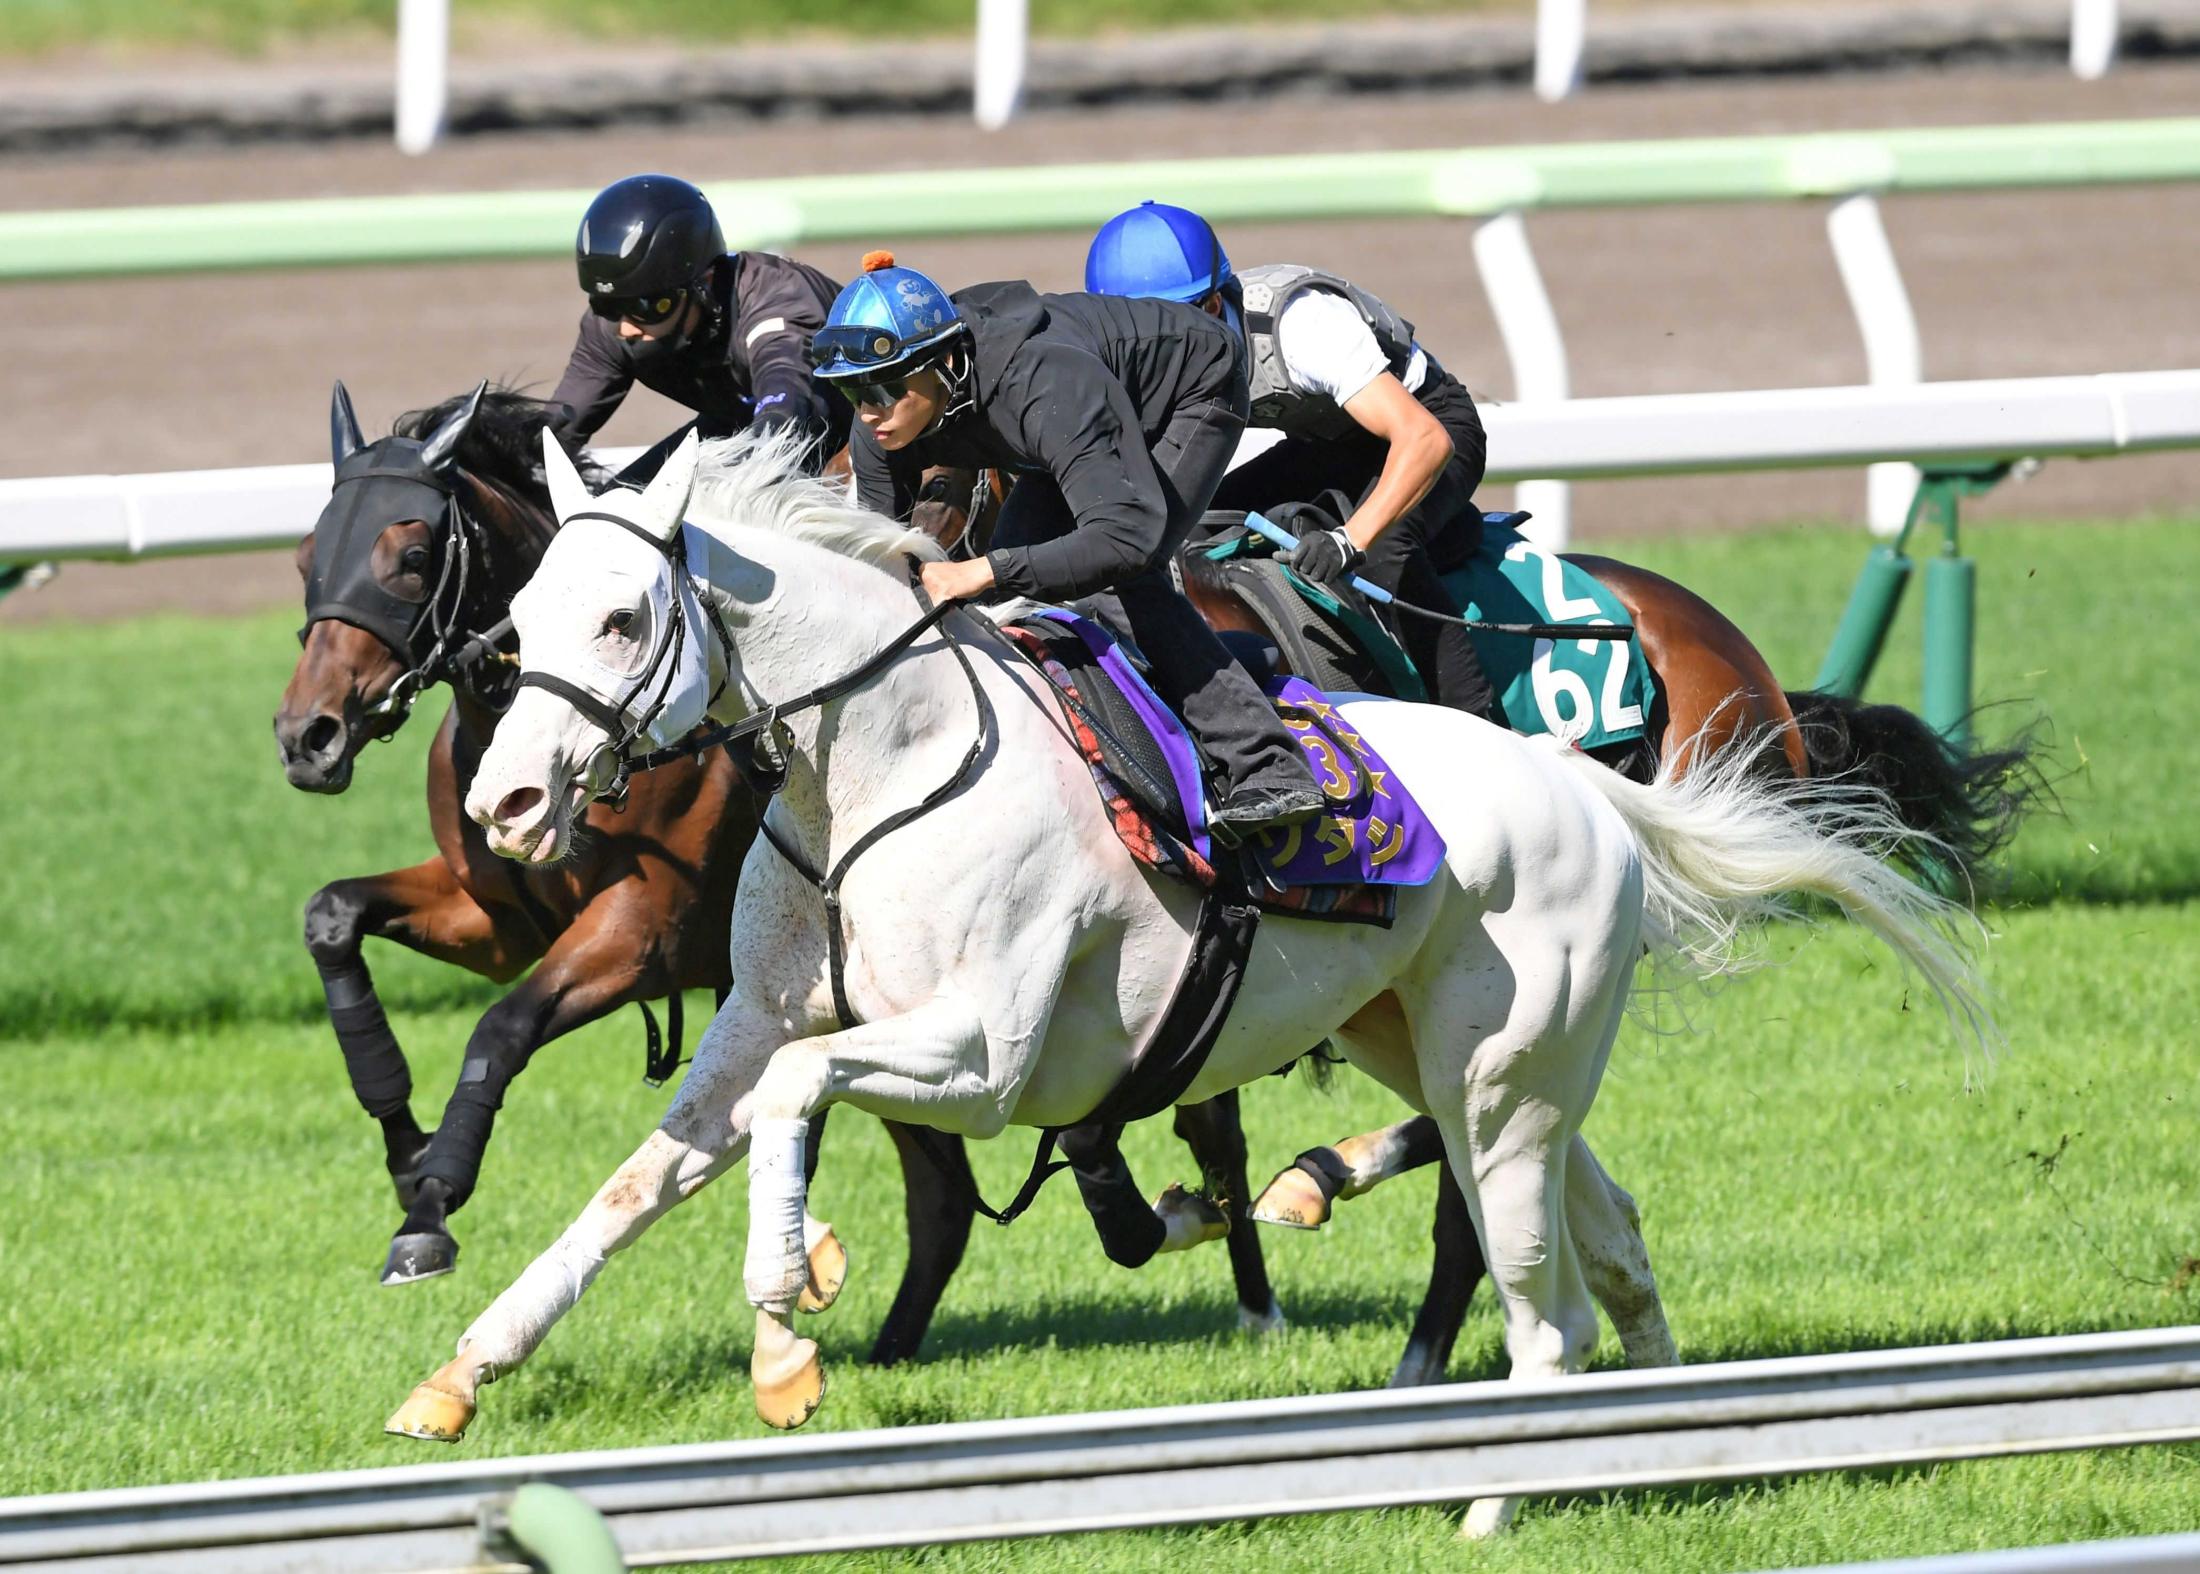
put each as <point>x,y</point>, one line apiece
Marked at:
<point>1347,863</point>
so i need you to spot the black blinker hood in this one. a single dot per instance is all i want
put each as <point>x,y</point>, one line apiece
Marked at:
<point>380,485</point>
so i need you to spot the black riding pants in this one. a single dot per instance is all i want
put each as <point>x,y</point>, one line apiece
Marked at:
<point>1219,702</point>
<point>1300,469</point>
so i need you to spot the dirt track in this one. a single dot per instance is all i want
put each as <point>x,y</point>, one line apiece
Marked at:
<point>182,372</point>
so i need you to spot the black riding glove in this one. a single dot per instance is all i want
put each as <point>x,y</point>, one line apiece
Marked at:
<point>1325,556</point>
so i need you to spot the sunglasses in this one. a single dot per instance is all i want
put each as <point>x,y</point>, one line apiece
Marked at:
<point>881,391</point>
<point>644,312</point>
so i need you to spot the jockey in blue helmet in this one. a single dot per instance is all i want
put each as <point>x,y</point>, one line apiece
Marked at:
<point>1117,416</point>
<point>1362,407</point>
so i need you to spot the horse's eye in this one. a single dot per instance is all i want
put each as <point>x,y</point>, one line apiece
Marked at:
<point>619,622</point>
<point>414,561</point>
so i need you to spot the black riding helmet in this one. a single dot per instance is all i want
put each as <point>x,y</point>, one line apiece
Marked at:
<point>644,243</point>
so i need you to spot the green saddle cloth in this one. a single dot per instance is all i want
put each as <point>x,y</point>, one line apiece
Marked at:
<point>1592,691</point>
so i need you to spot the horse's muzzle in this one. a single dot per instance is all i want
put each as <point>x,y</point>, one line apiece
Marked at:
<point>317,753</point>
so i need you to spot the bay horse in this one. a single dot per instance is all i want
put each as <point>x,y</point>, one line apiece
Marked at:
<point>440,524</point>
<point>1002,965</point>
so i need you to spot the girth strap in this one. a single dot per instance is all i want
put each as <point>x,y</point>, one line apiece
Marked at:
<point>1222,946</point>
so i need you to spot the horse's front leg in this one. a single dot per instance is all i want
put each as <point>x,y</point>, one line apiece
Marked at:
<point>425,908</point>
<point>702,1133</point>
<point>929,1064</point>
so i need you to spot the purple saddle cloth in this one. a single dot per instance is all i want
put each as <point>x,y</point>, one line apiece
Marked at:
<point>1373,832</point>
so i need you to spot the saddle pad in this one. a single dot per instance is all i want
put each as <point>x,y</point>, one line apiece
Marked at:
<point>1347,864</point>
<point>1591,692</point>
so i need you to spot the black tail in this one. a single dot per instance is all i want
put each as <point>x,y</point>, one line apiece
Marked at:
<point>1970,803</point>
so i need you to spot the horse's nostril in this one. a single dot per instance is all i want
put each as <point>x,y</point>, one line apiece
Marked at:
<point>518,804</point>
<point>321,735</point>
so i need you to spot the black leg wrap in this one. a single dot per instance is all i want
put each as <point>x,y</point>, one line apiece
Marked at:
<point>379,1076</point>
<point>1130,1231</point>
<point>1327,1168</point>
<point>454,1156</point>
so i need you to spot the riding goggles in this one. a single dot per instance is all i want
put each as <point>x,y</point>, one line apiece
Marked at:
<point>645,311</point>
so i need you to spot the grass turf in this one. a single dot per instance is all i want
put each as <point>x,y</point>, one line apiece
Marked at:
<point>198,1206</point>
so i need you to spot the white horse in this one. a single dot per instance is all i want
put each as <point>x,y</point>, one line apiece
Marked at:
<point>1005,957</point>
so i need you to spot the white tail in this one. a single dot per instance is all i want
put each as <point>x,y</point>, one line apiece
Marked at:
<point>1721,845</point>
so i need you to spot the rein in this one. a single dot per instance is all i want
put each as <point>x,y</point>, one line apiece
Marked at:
<point>444,659</point>
<point>765,731</point>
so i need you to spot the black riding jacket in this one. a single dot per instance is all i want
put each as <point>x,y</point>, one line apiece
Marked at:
<point>1079,388</point>
<point>747,364</point>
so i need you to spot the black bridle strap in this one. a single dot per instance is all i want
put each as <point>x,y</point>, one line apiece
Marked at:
<point>824,694</point>
<point>828,883</point>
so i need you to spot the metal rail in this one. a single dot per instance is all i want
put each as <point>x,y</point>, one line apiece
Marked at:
<point>58,518</point>
<point>1182,1465</point>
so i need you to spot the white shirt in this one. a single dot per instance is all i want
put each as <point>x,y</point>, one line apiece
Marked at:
<point>1328,348</point>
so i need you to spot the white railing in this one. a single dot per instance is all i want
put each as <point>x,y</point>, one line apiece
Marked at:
<point>167,513</point>
<point>1181,1465</point>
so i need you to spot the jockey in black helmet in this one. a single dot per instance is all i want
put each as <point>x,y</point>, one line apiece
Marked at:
<point>1362,407</point>
<point>725,334</point>
<point>1117,417</point>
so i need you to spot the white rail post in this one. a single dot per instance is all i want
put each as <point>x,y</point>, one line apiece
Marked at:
<point>2092,38</point>
<point>1003,39</point>
<point>1892,354</point>
<point>1559,29</point>
<point>423,72</point>
<point>1529,328</point>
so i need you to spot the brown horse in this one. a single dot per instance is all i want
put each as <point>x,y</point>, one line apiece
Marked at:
<point>410,575</point>
<point>1715,692</point>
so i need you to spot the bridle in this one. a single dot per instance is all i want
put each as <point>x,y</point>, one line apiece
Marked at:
<point>768,743</point>
<point>436,642</point>
<point>453,652</point>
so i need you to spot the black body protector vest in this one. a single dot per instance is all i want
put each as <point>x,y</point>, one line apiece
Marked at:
<point>1280,403</point>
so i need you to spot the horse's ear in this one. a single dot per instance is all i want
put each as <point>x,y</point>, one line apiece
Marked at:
<point>665,499</point>
<point>436,452</point>
<point>344,439</point>
<point>569,494</point>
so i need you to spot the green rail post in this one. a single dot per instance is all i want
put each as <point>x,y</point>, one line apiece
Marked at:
<point>1862,632</point>
<point>551,1529</point>
<point>1951,603</point>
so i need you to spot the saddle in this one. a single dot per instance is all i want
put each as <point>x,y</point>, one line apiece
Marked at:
<point>1348,863</point>
<point>1599,694</point>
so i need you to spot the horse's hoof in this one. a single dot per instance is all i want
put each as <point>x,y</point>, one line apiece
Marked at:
<point>405,1172</point>
<point>427,1255</point>
<point>828,1272</point>
<point>1488,1516</point>
<point>789,1390</point>
<point>1262,1323</point>
<point>1190,1220</point>
<point>1293,1200</point>
<point>432,1414</point>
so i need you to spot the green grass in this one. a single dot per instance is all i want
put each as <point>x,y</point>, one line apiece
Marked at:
<point>196,1206</point>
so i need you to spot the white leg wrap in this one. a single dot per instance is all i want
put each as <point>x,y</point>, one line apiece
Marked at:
<point>507,1333</point>
<point>777,1264</point>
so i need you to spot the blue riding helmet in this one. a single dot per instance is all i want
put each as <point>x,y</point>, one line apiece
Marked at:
<point>1157,250</point>
<point>887,323</point>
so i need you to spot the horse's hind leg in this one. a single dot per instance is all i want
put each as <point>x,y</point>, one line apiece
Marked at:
<point>937,1190</point>
<point>1456,1269</point>
<point>601,962</point>
<point>1300,1197</point>
<point>422,907</point>
<point>1216,1135</point>
<point>1607,1234</point>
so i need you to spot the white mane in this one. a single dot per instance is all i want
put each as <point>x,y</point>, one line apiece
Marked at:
<point>754,481</point>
